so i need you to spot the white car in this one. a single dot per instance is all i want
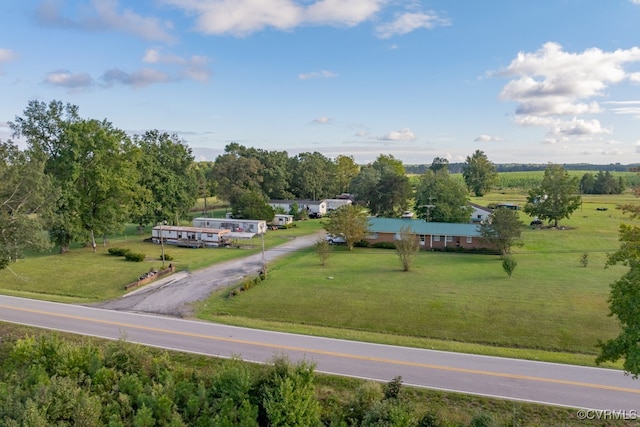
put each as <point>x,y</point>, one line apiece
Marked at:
<point>335,240</point>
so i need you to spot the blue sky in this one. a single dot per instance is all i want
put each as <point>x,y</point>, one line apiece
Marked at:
<point>524,81</point>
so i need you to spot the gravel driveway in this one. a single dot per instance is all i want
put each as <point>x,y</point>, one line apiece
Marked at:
<point>174,294</point>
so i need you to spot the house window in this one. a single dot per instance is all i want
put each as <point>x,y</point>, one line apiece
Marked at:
<point>436,238</point>
<point>449,238</point>
<point>422,238</point>
<point>209,234</point>
<point>372,236</point>
<point>469,239</point>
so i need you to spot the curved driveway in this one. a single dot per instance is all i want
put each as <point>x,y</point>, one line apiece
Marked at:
<point>174,294</point>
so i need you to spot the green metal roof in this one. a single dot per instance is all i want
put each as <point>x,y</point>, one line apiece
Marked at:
<point>419,226</point>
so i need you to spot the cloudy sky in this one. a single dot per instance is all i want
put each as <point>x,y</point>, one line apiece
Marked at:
<point>525,81</point>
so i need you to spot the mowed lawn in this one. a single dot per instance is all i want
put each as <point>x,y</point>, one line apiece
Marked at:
<point>81,275</point>
<point>552,302</point>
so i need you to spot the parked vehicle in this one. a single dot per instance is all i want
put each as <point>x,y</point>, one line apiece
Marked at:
<point>335,240</point>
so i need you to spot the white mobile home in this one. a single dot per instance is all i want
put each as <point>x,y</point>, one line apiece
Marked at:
<point>255,226</point>
<point>190,237</point>
<point>310,206</point>
<point>282,220</point>
<point>333,204</point>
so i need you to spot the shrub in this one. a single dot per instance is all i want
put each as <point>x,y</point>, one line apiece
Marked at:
<point>134,256</point>
<point>361,244</point>
<point>118,251</point>
<point>384,245</point>
<point>584,259</point>
<point>167,257</point>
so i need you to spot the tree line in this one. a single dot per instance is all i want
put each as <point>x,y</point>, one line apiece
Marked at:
<point>82,179</point>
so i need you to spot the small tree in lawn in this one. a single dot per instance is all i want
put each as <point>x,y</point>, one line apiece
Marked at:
<point>509,264</point>
<point>349,222</point>
<point>407,247</point>
<point>323,249</point>
<point>502,230</point>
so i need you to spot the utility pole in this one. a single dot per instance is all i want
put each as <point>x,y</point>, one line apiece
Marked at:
<point>162,241</point>
<point>264,259</point>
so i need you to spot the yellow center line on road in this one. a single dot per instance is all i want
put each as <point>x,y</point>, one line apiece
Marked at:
<point>331,353</point>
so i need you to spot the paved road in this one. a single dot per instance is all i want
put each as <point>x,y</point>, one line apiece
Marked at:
<point>174,294</point>
<point>549,383</point>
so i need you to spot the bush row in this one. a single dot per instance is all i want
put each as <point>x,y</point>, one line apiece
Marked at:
<point>127,254</point>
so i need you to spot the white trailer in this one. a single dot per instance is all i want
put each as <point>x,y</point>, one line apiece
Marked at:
<point>190,237</point>
<point>255,226</point>
<point>333,204</point>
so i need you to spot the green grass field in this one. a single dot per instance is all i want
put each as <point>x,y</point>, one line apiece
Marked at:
<point>83,276</point>
<point>552,303</point>
<point>552,308</point>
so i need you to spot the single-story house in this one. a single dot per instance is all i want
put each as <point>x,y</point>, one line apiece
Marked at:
<point>311,206</point>
<point>252,226</point>
<point>480,213</point>
<point>432,235</point>
<point>191,237</point>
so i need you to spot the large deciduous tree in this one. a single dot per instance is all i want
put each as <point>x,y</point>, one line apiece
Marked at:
<point>479,173</point>
<point>25,198</point>
<point>167,171</point>
<point>346,170</point>
<point>624,299</point>
<point>441,198</point>
<point>502,230</point>
<point>313,176</point>
<point>89,162</point>
<point>350,222</point>
<point>556,198</point>
<point>383,186</point>
<point>103,177</point>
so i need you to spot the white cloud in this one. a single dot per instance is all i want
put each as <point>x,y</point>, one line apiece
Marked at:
<point>638,147</point>
<point>67,79</point>
<point>136,79</point>
<point>6,55</point>
<point>631,108</point>
<point>635,1</point>
<point>322,120</point>
<point>486,138</point>
<point>408,22</point>
<point>195,67</point>
<point>401,135</point>
<point>550,84</point>
<point>244,17</point>
<point>324,74</point>
<point>341,12</point>
<point>103,15</point>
